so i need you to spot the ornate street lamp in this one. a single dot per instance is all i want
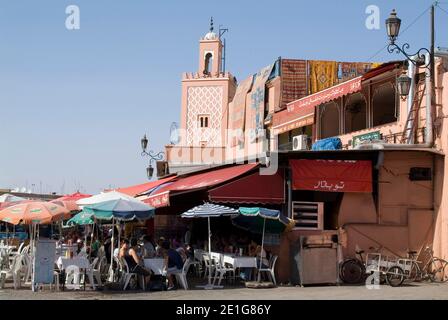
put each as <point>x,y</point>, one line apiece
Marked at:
<point>152,156</point>
<point>393,26</point>
<point>393,29</point>
<point>403,85</point>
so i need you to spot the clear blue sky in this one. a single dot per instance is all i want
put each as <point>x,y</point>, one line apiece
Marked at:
<point>74,104</point>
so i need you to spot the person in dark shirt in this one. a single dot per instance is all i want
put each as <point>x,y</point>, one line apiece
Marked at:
<point>172,262</point>
<point>128,252</point>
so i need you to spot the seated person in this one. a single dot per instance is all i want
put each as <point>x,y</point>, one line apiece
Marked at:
<point>182,253</point>
<point>159,250</point>
<point>128,252</point>
<point>148,248</point>
<point>255,251</point>
<point>172,262</point>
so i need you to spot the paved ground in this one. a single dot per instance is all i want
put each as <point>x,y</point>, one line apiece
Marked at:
<point>414,291</point>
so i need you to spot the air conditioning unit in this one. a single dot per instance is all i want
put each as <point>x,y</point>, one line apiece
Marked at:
<point>300,142</point>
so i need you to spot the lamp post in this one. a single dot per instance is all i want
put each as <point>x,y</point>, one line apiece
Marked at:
<point>152,156</point>
<point>393,24</point>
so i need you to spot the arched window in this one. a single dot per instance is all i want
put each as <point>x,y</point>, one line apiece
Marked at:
<point>208,65</point>
<point>203,121</point>
<point>355,113</point>
<point>329,120</point>
<point>384,104</point>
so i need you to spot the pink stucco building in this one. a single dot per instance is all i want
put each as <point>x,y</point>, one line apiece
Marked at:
<point>275,114</point>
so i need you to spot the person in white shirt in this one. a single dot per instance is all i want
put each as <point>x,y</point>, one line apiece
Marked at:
<point>148,248</point>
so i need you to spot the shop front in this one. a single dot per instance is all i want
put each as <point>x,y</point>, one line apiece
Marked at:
<point>346,200</point>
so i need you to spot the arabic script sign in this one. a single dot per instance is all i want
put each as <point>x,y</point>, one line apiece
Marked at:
<point>301,112</point>
<point>376,135</point>
<point>332,175</point>
<point>159,200</point>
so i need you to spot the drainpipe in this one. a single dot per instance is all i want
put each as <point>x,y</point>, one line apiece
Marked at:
<point>411,74</point>
<point>429,136</point>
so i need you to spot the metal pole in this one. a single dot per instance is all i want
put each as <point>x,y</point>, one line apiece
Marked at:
<point>261,253</point>
<point>290,215</point>
<point>432,68</point>
<point>432,46</point>
<point>111,269</point>
<point>209,254</point>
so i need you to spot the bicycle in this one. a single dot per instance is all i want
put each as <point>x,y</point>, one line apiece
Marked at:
<point>353,270</point>
<point>435,269</point>
<point>389,269</point>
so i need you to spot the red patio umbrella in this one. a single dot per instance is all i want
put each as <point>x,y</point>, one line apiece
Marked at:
<point>70,205</point>
<point>74,196</point>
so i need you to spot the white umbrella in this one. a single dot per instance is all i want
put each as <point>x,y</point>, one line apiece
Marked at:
<point>209,210</point>
<point>10,198</point>
<point>118,206</point>
<point>105,196</point>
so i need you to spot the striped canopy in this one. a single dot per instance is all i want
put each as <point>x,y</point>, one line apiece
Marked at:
<point>209,210</point>
<point>252,219</point>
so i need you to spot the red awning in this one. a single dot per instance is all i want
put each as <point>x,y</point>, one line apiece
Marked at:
<point>160,198</point>
<point>332,175</point>
<point>254,188</point>
<point>140,188</point>
<point>300,113</point>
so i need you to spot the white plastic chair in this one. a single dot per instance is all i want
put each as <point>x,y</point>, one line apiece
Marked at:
<point>19,250</point>
<point>96,271</point>
<point>14,272</point>
<point>271,269</point>
<point>222,270</point>
<point>181,274</point>
<point>208,265</point>
<point>126,275</point>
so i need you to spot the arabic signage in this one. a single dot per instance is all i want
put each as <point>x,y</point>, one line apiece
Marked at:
<point>332,175</point>
<point>159,200</point>
<point>303,109</point>
<point>375,135</point>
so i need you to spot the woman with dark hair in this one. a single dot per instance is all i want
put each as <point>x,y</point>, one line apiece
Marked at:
<point>128,252</point>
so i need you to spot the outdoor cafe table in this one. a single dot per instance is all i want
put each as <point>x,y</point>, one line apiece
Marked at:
<point>155,264</point>
<point>81,263</point>
<point>237,261</point>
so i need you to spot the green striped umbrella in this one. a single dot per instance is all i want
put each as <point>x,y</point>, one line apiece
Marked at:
<point>81,219</point>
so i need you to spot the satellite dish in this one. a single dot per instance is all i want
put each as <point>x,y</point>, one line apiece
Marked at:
<point>174,133</point>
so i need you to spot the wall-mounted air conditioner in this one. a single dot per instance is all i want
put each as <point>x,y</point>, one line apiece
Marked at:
<point>300,142</point>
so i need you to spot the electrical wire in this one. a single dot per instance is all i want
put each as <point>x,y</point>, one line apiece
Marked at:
<point>404,30</point>
<point>442,8</point>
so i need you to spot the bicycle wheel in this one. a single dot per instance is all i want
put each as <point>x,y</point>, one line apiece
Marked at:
<point>438,270</point>
<point>352,271</point>
<point>395,276</point>
<point>414,274</point>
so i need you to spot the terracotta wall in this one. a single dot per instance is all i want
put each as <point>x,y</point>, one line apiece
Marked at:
<point>401,219</point>
<point>404,218</point>
<point>441,177</point>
